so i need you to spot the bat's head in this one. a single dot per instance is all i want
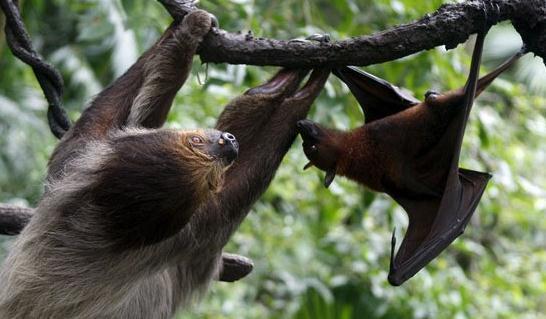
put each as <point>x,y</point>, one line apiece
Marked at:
<point>321,147</point>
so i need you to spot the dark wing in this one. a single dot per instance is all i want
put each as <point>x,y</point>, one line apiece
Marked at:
<point>434,224</point>
<point>377,97</point>
<point>435,221</point>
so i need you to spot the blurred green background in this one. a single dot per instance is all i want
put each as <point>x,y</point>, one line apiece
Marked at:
<point>319,253</point>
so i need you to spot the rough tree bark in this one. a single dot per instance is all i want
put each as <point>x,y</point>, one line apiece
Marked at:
<point>450,25</point>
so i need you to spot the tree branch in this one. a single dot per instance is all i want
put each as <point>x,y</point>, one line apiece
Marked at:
<point>450,25</point>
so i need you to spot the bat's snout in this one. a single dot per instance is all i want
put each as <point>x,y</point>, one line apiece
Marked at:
<point>308,130</point>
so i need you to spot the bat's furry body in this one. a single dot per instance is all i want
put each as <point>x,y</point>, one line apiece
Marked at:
<point>409,150</point>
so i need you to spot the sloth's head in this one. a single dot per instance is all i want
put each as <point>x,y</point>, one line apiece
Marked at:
<point>212,145</point>
<point>321,148</point>
<point>146,183</point>
<point>210,152</point>
<point>191,161</point>
<point>169,162</point>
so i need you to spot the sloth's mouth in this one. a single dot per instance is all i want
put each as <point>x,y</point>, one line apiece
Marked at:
<point>226,162</point>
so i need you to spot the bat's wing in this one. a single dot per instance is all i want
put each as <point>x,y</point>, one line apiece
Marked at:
<point>377,97</point>
<point>435,223</point>
<point>436,220</point>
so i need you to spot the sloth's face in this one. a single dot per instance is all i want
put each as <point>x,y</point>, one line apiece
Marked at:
<point>214,152</point>
<point>216,145</point>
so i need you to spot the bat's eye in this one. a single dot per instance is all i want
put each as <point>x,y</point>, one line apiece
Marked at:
<point>431,93</point>
<point>313,148</point>
<point>197,140</point>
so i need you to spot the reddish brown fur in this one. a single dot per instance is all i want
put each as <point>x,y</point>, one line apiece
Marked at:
<point>409,150</point>
<point>374,154</point>
<point>379,153</point>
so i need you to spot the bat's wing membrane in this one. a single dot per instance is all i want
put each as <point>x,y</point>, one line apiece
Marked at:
<point>436,218</point>
<point>436,221</point>
<point>377,97</point>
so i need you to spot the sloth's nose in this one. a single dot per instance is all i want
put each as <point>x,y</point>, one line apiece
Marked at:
<point>229,137</point>
<point>230,146</point>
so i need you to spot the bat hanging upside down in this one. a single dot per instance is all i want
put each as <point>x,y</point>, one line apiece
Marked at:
<point>410,150</point>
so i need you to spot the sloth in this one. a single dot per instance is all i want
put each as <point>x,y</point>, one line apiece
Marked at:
<point>134,218</point>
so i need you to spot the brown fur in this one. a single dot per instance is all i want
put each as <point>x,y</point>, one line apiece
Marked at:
<point>133,219</point>
<point>373,153</point>
<point>381,153</point>
<point>409,150</point>
<point>383,150</point>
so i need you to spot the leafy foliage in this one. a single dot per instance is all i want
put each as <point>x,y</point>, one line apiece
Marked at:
<point>319,253</point>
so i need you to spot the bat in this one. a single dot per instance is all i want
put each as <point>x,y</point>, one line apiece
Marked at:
<point>410,150</point>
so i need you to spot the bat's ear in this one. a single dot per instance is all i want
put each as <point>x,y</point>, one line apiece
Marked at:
<point>329,178</point>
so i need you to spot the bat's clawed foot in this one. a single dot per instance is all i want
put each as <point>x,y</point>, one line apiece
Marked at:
<point>431,95</point>
<point>319,37</point>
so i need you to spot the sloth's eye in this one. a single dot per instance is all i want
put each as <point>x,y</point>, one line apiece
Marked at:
<point>197,140</point>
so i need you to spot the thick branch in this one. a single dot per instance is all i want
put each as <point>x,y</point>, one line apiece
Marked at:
<point>13,219</point>
<point>450,25</point>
